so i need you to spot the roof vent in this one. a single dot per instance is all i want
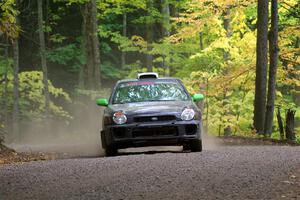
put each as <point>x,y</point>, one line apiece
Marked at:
<point>147,75</point>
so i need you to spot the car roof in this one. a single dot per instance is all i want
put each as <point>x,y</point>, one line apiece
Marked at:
<point>152,79</point>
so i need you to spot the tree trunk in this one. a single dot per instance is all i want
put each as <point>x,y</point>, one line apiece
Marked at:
<point>85,74</point>
<point>91,71</point>
<point>4,96</point>
<point>297,43</point>
<point>273,45</point>
<point>46,21</point>
<point>96,51</point>
<point>280,124</point>
<point>15,114</point>
<point>81,74</point>
<point>174,12</point>
<point>16,111</point>
<point>149,38</point>
<point>201,40</point>
<point>43,56</point>
<point>239,109</point>
<point>123,54</point>
<point>5,92</point>
<point>165,10</point>
<point>227,27</point>
<point>296,95</point>
<point>290,125</point>
<point>81,78</point>
<point>261,66</point>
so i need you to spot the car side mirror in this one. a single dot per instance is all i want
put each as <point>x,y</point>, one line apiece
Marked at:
<point>102,102</point>
<point>197,97</point>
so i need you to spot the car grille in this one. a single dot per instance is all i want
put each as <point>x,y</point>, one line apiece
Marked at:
<point>155,131</point>
<point>154,118</point>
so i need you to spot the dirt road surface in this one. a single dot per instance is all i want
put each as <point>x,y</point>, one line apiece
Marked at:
<point>230,172</point>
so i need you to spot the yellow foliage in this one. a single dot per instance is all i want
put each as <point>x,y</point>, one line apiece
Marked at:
<point>8,23</point>
<point>31,92</point>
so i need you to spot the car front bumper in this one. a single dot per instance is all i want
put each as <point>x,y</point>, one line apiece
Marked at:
<point>150,134</point>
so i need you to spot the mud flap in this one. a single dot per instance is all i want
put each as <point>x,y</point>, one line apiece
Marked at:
<point>103,140</point>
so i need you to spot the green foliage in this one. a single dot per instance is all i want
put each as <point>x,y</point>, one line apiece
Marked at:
<point>298,139</point>
<point>5,66</point>
<point>70,2</point>
<point>109,71</point>
<point>119,7</point>
<point>69,56</point>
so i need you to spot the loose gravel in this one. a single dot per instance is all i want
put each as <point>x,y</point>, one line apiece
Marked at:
<point>253,172</point>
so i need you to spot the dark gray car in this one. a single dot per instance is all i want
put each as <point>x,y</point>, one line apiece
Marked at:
<point>150,111</point>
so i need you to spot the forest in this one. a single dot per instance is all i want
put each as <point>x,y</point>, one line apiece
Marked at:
<point>58,56</point>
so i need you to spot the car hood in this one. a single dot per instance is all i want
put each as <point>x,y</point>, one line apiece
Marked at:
<point>152,107</point>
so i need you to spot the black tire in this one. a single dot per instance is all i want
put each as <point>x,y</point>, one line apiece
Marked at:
<point>196,145</point>
<point>111,151</point>
<point>186,147</point>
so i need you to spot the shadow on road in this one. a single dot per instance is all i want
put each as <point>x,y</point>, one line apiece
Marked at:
<point>151,150</point>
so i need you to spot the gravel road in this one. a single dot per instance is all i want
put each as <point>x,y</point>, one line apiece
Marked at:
<point>253,172</point>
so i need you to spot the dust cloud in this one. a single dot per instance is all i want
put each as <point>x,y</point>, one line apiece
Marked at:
<point>79,137</point>
<point>210,142</point>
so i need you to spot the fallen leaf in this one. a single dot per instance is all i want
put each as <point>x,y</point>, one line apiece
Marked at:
<point>287,182</point>
<point>293,176</point>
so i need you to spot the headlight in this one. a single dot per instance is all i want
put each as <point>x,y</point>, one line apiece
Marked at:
<point>119,117</point>
<point>187,114</point>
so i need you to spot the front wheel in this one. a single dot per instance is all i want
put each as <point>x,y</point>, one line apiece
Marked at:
<point>196,145</point>
<point>111,151</point>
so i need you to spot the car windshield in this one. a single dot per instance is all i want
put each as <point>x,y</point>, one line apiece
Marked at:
<point>143,91</point>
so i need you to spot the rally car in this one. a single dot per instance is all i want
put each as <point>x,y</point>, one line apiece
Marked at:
<point>149,111</point>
